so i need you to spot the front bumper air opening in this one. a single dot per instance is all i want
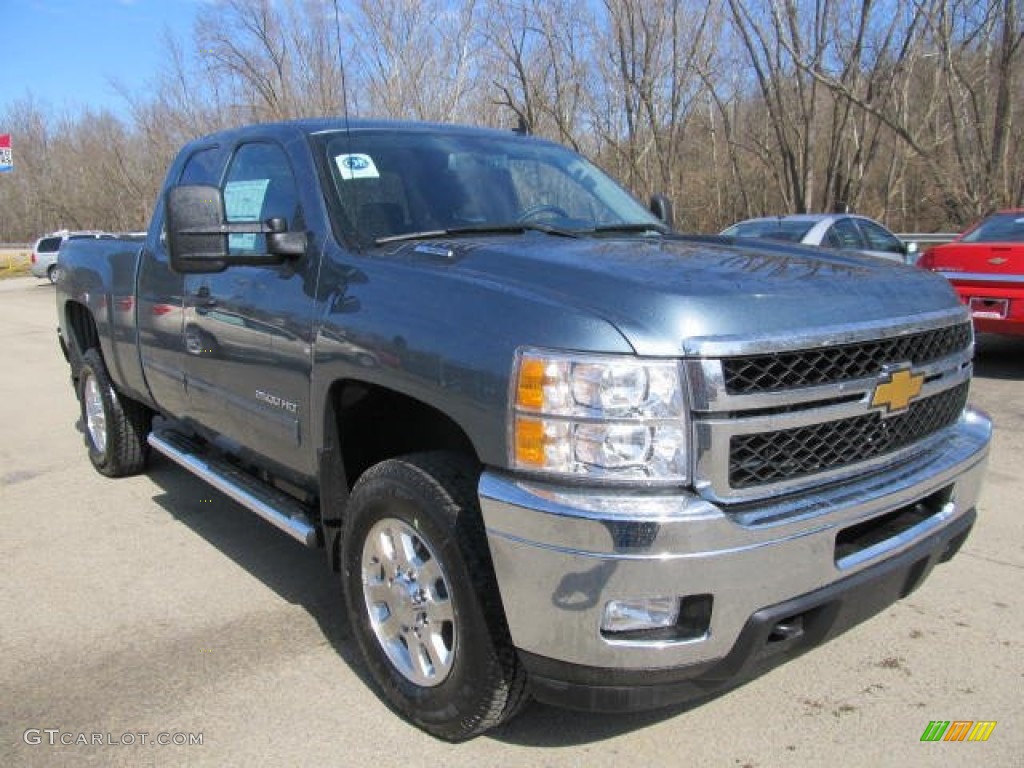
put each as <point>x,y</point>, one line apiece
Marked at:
<point>857,538</point>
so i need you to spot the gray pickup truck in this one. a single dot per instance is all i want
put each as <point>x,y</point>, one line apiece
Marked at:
<point>552,448</point>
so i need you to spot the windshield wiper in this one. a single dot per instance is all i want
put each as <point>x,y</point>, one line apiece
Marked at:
<point>513,228</point>
<point>516,228</point>
<point>661,229</point>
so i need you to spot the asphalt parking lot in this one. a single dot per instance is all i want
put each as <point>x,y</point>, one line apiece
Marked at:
<point>154,605</point>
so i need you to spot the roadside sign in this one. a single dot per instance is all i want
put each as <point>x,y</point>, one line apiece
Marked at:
<point>6,158</point>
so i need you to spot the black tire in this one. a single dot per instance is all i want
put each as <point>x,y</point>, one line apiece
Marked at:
<point>433,496</point>
<point>125,422</point>
<point>200,343</point>
<point>52,272</point>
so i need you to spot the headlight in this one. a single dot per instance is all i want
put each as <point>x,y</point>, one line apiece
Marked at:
<point>609,418</point>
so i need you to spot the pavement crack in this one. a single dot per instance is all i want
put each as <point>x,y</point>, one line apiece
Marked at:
<point>993,560</point>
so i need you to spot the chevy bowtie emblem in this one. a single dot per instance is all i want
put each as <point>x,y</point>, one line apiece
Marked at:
<point>896,389</point>
<point>997,261</point>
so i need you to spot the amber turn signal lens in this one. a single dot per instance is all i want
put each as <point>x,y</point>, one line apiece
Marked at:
<point>530,387</point>
<point>530,442</point>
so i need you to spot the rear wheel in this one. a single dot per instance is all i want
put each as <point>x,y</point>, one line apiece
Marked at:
<point>115,426</point>
<point>423,599</point>
<point>53,272</point>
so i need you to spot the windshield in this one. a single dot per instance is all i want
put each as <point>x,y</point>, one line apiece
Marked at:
<point>388,183</point>
<point>776,229</point>
<point>1001,228</point>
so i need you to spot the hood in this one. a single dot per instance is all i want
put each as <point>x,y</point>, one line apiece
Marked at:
<point>666,295</point>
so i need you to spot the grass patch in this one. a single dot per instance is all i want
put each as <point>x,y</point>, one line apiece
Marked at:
<point>14,263</point>
<point>17,269</point>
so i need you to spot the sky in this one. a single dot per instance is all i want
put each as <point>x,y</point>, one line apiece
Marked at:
<point>67,53</point>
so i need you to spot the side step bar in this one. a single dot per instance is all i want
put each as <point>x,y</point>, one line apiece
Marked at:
<point>277,508</point>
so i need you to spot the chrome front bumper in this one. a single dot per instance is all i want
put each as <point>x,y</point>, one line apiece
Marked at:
<point>562,553</point>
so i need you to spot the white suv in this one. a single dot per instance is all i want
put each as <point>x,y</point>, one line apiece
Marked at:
<point>44,252</point>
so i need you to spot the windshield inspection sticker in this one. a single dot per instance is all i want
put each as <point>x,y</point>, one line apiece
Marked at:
<point>356,167</point>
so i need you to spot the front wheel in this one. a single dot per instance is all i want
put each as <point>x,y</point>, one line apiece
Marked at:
<point>115,426</point>
<point>423,599</point>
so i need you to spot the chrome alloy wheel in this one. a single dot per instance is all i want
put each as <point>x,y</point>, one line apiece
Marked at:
<point>409,602</point>
<point>95,416</point>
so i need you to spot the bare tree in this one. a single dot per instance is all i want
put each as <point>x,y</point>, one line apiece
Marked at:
<point>776,38</point>
<point>656,50</point>
<point>958,129</point>
<point>246,43</point>
<point>908,111</point>
<point>537,60</point>
<point>979,46</point>
<point>414,58</point>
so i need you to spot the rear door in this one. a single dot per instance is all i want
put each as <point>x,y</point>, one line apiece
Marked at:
<point>160,296</point>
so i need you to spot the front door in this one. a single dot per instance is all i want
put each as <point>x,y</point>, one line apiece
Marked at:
<point>247,330</point>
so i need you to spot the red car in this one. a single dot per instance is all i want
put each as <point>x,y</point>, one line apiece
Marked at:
<point>986,266</point>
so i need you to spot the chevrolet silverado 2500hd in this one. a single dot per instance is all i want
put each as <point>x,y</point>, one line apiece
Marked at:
<point>551,448</point>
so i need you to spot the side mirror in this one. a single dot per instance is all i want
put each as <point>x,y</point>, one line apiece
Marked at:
<point>910,253</point>
<point>281,242</point>
<point>661,207</point>
<point>198,233</point>
<point>196,240</point>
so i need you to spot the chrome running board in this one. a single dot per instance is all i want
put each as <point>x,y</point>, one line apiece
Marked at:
<point>276,507</point>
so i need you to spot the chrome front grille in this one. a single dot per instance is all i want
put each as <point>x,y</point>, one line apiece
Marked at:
<point>786,454</point>
<point>779,422</point>
<point>830,365</point>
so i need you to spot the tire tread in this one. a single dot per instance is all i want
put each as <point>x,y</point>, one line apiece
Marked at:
<point>128,423</point>
<point>451,477</point>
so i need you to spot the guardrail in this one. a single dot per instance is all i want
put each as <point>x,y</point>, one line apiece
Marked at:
<point>928,238</point>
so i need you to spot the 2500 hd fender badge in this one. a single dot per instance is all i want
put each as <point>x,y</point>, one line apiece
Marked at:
<point>276,401</point>
<point>897,388</point>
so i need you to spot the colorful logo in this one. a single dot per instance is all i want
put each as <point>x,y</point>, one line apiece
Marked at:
<point>896,389</point>
<point>958,730</point>
<point>356,163</point>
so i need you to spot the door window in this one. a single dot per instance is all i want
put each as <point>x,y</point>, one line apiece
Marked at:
<point>48,245</point>
<point>844,234</point>
<point>203,167</point>
<point>259,186</point>
<point>879,239</point>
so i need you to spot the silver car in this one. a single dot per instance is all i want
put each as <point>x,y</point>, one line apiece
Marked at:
<point>829,230</point>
